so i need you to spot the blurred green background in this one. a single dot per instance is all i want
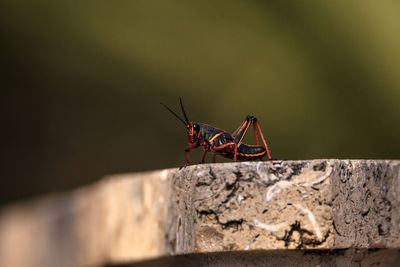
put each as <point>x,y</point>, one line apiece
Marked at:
<point>82,81</point>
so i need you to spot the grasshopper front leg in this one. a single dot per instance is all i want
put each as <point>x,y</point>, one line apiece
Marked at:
<point>187,150</point>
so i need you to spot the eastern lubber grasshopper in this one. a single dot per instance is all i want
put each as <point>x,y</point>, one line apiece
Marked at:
<point>220,142</point>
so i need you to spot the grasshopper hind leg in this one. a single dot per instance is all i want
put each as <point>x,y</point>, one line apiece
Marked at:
<point>239,134</point>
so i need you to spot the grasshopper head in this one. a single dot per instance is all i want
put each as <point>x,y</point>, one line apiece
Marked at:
<point>193,132</point>
<point>193,129</point>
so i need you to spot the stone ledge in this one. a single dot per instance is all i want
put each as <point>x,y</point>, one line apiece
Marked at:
<point>213,208</point>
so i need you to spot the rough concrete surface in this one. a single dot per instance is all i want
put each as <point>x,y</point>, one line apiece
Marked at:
<point>320,204</point>
<point>317,212</point>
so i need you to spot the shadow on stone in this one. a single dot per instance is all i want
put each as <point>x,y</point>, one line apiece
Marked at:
<point>336,257</point>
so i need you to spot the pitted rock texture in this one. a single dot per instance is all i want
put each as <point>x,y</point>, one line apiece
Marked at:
<point>319,204</point>
<point>366,204</point>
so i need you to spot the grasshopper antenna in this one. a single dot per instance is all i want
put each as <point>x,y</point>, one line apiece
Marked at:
<point>170,110</point>
<point>183,110</point>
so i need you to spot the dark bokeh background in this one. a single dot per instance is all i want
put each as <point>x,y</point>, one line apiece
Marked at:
<point>82,81</point>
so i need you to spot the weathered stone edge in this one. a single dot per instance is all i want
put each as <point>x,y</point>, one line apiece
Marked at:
<point>131,217</point>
